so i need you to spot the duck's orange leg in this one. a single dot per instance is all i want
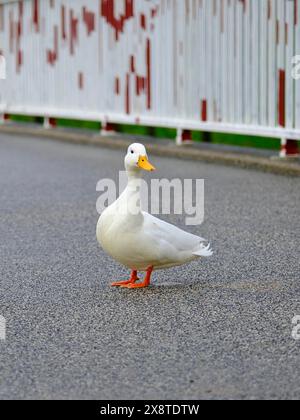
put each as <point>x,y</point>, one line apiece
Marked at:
<point>132,280</point>
<point>145,283</point>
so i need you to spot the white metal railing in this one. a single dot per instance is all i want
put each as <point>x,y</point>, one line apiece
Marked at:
<point>211,65</point>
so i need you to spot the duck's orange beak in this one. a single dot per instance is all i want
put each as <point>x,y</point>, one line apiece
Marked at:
<point>144,163</point>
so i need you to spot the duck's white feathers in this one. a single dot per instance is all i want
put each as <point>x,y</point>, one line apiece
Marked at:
<point>141,241</point>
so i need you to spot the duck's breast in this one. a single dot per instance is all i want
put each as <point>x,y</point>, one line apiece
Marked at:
<point>120,237</point>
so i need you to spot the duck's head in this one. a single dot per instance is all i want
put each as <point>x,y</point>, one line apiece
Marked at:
<point>136,159</point>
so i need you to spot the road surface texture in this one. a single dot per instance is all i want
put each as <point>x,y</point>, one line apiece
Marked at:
<point>220,328</point>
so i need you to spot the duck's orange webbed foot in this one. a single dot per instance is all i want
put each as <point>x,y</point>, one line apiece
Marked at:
<point>146,282</point>
<point>132,280</point>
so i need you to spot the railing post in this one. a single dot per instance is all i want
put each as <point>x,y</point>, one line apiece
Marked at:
<point>49,123</point>
<point>4,117</point>
<point>183,136</point>
<point>289,148</point>
<point>108,129</point>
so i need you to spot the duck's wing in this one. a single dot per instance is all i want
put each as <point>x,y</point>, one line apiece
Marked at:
<point>160,244</point>
<point>177,238</point>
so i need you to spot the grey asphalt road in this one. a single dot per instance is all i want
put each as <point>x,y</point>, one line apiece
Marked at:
<point>220,328</point>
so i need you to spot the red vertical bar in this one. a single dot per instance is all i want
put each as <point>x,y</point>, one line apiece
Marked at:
<point>127,105</point>
<point>80,80</point>
<point>117,86</point>
<point>128,9</point>
<point>137,85</point>
<point>21,8</point>
<point>63,22</point>
<point>132,64</point>
<point>56,36</point>
<point>35,15</point>
<point>73,31</point>
<point>281,99</point>
<point>19,60</point>
<point>148,59</point>
<point>204,110</point>
<point>143,21</point>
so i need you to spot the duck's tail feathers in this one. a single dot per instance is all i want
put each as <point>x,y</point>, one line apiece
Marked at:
<point>204,251</point>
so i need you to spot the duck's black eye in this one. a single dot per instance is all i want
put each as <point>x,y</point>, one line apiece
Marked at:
<point>132,152</point>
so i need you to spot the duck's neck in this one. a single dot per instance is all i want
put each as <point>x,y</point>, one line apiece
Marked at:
<point>134,181</point>
<point>132,194</point>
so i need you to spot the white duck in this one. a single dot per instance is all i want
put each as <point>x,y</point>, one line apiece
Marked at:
<point>138,240</point>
